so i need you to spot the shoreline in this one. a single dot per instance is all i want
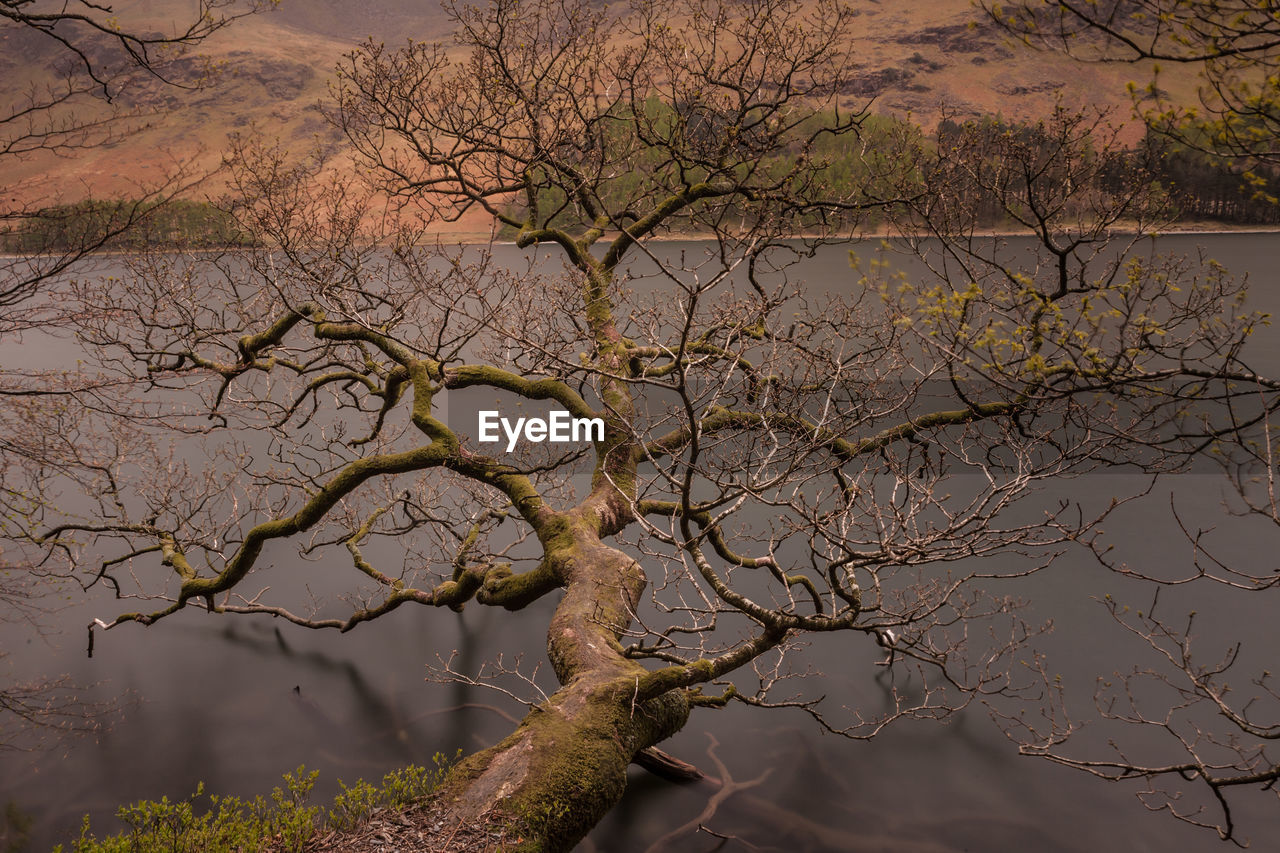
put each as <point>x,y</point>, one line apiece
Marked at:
<point>472,238</point>
<point>475,238</point>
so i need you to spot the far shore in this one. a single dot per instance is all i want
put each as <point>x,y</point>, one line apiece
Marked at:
<point>1181,229</point>
<point>484,238</point>
<point>472,238</point>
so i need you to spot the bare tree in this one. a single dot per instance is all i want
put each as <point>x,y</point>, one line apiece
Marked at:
<point>1235,44</point>
<point>1216,716</point>
<point>97,59</point>
<point>1208,700</point>
<point>775,465</point>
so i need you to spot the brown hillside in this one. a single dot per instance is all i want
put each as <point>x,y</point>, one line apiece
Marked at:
<point>916,57</point>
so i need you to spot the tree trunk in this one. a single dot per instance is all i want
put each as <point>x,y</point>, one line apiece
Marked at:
<point>563,769</point>
<point>565,766</point>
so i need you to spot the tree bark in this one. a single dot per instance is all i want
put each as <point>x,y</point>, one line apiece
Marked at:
<point>565,766</point>
<point>563,769</point>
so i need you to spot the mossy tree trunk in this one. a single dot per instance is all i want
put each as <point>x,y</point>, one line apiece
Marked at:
<point>565,766</point>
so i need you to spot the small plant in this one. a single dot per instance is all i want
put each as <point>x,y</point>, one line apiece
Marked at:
<point>399,788</point>
<point>282,823</point>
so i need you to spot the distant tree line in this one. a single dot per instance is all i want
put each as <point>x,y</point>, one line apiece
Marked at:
<point>1208,186</point>
<point>843,153</point>
<point>1196,184</point>
<point>188,224</point>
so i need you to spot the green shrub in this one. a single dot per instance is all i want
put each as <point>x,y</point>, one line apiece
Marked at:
<point>282,823</point>
<point>356,804</point>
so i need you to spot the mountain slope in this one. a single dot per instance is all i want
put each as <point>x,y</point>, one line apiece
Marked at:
<point>923,58</point>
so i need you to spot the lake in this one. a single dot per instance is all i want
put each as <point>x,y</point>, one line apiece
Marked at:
<point>236,702</point>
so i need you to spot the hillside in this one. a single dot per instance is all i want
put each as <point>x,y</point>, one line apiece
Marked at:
<point>916,57</point>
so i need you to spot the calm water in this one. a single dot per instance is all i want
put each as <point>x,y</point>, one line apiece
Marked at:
<point>234,703</point>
